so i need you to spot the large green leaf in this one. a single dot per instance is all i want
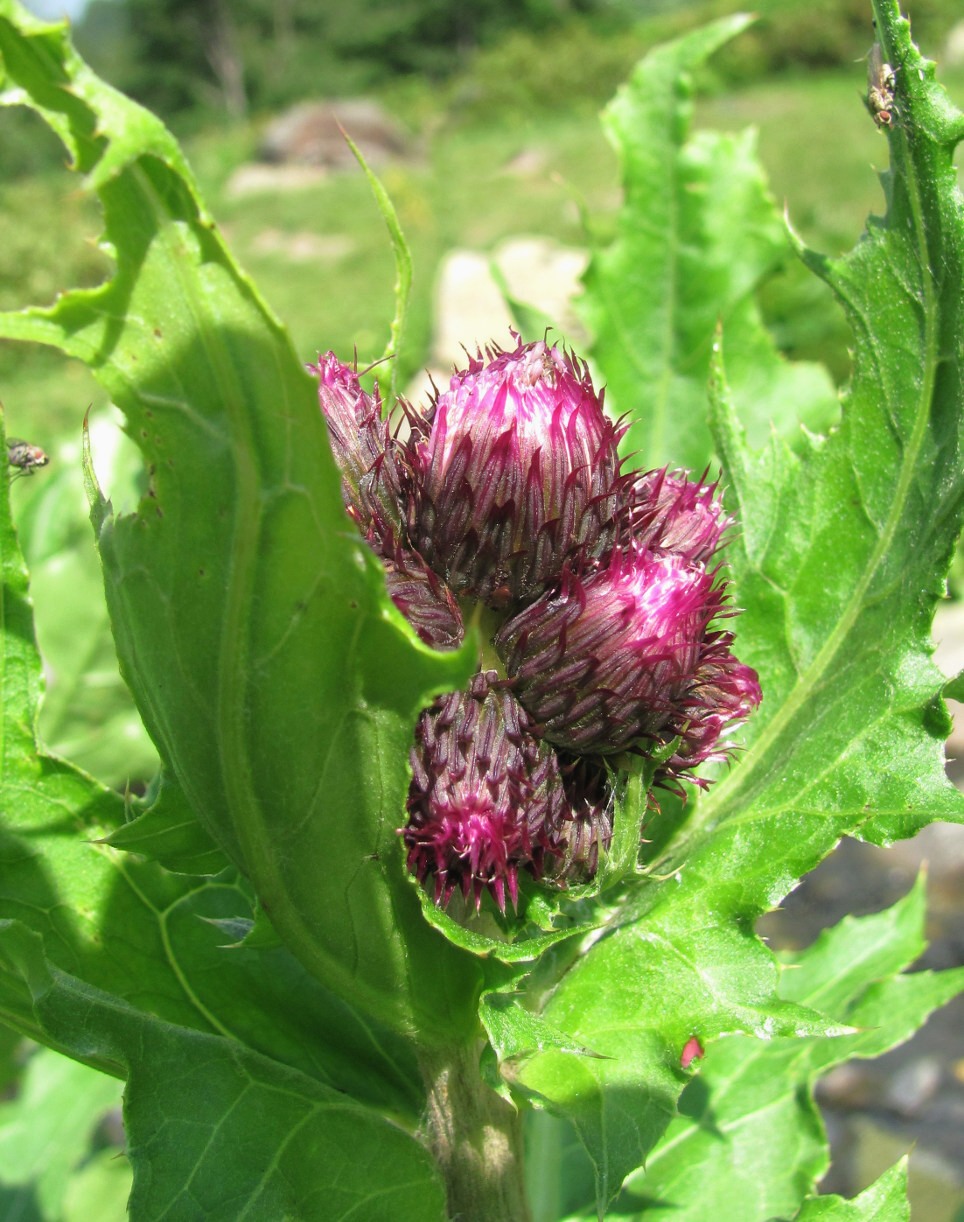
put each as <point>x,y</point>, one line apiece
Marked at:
<point>748,1128</point>
<point>884,1201</point>
<point>124,967</point>
<point>217,1132</point>
<point>696,235</point>
<point>273,673</point>
<point>839,562</point>
<point>147,937</point>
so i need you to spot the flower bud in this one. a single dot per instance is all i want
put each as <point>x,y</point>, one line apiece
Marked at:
<point>583,839</point>
<point>625,659</point>
<point>424,599</point>
<point>667,512</point>
<point>487,798</point>
<point>364,450</point>
<point>515,470</point>
<point>724,692</point>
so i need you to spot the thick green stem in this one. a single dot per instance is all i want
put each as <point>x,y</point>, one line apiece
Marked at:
<point>476,1138</point>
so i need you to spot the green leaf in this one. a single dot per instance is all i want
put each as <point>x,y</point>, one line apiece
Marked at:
<point>403,265</point>
<point>696,235</point>
<point>748,1127</point>
<point>253,627</point>
<point>838,562</point>
<point>884,1201</point>
<point>240,1134</point>
<point>635,998</point>
<point>516,1032</point>
<point>843,549</point>
<point>168,832</point>
<point>954,688</point>
<point>145,936</point>
<point>87,714</point>
<point>47,1129</point>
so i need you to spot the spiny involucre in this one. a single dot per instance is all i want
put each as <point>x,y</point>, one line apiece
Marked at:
<point>603,594</point>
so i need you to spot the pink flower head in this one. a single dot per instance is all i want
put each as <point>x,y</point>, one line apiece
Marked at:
<point>486,798</point>
<point>509,491</point>
<point>515,470</point>
<point>668,512</point>
<point>622,660</point>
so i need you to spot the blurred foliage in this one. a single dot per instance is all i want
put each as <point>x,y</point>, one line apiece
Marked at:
<point>192,60</point>
<point>60,1139</point>
<point>34,256</point>
<point>794,34</point>
<point>580,62</point>
<point>202,56</point>
<point>87,714</point>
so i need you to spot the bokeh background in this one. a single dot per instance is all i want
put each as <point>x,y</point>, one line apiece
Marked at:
<point>482,121</point>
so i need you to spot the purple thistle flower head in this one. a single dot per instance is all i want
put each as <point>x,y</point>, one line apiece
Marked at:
<point>667,512</point>
<point>486,798</point>
<point>622,660</point>
<point>515,471</point>
<point>510,491</point>
<point>489,800</point>
<point>363,449</point>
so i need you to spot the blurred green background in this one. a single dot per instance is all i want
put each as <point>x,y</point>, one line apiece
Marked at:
<point>496,105</point>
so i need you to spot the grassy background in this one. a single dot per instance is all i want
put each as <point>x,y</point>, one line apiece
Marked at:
<point>468,186</point>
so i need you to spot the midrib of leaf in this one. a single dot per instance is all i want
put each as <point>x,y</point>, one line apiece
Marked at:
<point>161,920</point>
<point>712,809</point>
<point>238,601</point>
<point>237,605</point>
<point>657,422</point>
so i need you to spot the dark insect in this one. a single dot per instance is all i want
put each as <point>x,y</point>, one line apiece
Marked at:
<point>25,457</point>
<point>881,80</point>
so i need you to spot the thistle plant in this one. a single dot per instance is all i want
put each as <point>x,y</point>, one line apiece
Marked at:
<point>489,725</point>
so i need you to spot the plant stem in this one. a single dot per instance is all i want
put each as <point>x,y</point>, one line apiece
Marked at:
<point>475,1136</point>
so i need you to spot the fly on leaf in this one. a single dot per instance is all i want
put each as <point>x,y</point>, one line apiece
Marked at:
<point>25,457</point>
<point>881,80</point>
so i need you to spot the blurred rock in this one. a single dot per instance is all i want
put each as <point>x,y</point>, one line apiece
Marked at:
<point>311,134</point>
<point>913,1086</point>
<point>254,178</point>
<point>471,312</point>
